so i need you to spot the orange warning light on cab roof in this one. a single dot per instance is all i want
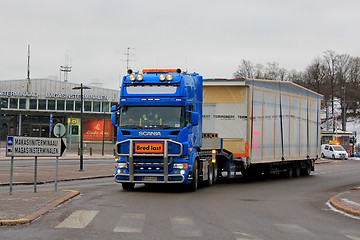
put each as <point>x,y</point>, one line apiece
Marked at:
<point>158,70</point>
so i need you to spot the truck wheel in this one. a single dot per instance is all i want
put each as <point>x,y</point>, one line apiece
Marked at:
<point>290,171</point>
<point>195,181</point>
<point>307,170</point>
<point>128,186</point>
<point>215,173</point>
<point>297,169</point>
<point>210,180</point>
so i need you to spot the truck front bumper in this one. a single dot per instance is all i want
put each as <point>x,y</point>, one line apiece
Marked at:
<point>149,178</point>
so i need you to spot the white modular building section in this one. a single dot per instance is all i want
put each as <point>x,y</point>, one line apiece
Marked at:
<point>273,121</point>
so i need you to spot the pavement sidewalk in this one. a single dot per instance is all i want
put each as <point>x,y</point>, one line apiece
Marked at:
<point>26,206</point>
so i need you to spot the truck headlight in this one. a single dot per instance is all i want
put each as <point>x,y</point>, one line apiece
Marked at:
<point>162,77</point>
<point>181,165</point>
<point>139,77</point>
<point>169,77</point>
<point>121,165</point>
<point>132,77</point>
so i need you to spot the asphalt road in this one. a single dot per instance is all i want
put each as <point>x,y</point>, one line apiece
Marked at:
<point>272,208</point>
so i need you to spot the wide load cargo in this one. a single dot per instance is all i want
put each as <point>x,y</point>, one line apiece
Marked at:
<point>263,121</point>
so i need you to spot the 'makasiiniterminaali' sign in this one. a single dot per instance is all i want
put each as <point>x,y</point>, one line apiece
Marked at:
<point>17,146</point>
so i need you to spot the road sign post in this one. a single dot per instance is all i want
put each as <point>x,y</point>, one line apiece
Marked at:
<point>18,146</point>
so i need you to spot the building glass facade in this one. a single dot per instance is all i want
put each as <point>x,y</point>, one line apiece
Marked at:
<point>27,112</point>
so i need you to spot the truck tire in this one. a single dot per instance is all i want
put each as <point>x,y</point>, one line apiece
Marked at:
<point>210,180</point>
<point>215,173</point>
<point>195,181</point>
<point>128,186</point>
<point>307,170</point>
<point>290,171</point>
<point>297,170</point>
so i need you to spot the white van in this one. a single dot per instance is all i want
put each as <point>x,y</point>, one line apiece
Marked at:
<point>333,151</point>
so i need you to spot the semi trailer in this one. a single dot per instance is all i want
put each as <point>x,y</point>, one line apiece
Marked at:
<point>176,127</point>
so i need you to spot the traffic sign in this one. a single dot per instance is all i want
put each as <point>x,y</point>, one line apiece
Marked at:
<point>51,122</point>
<point>59,130</point>
<point>34,147</point>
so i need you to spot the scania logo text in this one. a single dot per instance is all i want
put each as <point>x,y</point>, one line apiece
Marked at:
<point>149,134</point>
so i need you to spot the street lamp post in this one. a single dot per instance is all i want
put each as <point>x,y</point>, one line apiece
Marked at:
<point>81,124</point>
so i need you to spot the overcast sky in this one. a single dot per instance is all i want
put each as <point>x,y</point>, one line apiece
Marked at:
<point>207,36</point>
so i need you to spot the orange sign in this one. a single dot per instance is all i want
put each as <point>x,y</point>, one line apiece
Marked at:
<point>94,130</point>
<point>149,147</point>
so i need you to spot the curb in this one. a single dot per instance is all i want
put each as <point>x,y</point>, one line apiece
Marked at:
<point>336,203</point>
<point>51,181</point>
<point>50,206</point>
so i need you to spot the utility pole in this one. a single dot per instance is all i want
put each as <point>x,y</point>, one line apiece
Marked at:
<point>344,110</point>
<point>28,70</point>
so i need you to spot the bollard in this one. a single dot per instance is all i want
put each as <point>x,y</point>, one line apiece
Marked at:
<point>90,151</point>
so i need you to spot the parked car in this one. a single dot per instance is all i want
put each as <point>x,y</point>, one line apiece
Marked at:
<point>333,151</point>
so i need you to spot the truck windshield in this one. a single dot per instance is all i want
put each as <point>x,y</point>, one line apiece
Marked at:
<point>152,117</point>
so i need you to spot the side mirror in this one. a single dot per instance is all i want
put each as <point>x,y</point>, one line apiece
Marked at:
<point>114,118</point>
<point>194,118</point>
<point>114,108</point>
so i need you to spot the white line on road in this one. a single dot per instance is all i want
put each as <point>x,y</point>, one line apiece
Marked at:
<point>185,227</point>
<point>130,223</point>
<point>78,219</point>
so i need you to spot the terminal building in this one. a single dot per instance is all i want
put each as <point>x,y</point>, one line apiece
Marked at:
<point>33,107</point>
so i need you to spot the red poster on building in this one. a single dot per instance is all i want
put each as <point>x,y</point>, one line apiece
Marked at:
<point>93,130</point>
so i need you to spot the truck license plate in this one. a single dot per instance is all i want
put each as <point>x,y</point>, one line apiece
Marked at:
<point>149,178</point>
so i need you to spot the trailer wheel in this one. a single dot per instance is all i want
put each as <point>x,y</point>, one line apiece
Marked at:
<point>297,169</point>
<point>215,173</point>
<point>210,180</point>
<point>128,186</point>
<point>307,170</point>
<point>195,181</point>
<point>290,171</point>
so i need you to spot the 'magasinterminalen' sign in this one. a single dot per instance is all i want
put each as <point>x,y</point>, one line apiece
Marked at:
<point>18,146</point>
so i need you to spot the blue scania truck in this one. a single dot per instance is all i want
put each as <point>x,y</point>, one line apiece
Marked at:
<point>175,127</point>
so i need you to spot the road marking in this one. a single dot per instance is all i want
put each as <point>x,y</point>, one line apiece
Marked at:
<point>343,213</point>
<point>78,219</point>
<point>245,236</point>
<point>293,229</point>
<point>130,223</point>
<point>350,202</point>
<point>352,237</point>
<point>185,227</point>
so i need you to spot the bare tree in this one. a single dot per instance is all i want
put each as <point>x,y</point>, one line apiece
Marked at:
<point>245,70</point>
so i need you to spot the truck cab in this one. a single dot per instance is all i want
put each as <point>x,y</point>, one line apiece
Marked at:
<point>159,128</point>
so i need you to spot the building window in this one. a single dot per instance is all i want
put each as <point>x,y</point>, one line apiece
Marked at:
<point>60,105</point>
<point>87,106</point>
<point>105,107</point>
<point>22,103</point>
<point>4,102</point>
<point>51,104</point>
<point>96,106</point>
<point>33,104</point>
<point>14,103</point>
<point>42,104</point>
<point>78,106</point>
<point>69,105</point>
